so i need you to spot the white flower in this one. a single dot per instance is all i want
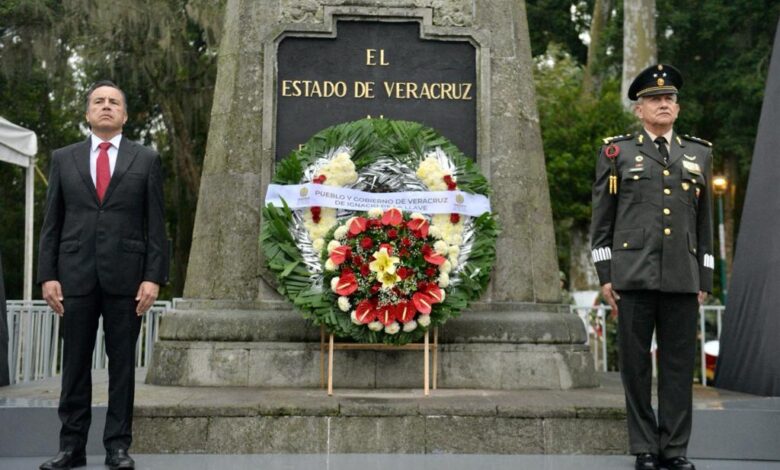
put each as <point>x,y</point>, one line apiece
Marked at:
<point>454,250</point>
<point>441,247</point>
<point>331,266</point>
<point>453,261</point>
<point>417,215</point>
<point>333,283</point>
<point>342,156</point>
<point>332,245</point>
<point>392,328</point>
<point>444,280</point>
<point>375,326</point>
<point>318,244</point>
<point>424,320</point>
<point>375,213</point>
<point>445,267</point>
<point>343,303</point>
<point>341,233</point>
<point>353,316</point>
<point>410,326</point>
<point>434,231</point>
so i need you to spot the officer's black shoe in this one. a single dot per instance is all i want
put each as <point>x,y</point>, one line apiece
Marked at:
<point>118,458</point>
<point>646,461</point>
<point>65,459</point>
<point>678,463</point>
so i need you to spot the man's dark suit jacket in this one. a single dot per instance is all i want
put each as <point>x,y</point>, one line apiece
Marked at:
<point>116,244</point>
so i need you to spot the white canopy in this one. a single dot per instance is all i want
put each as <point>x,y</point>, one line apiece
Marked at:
<point>18,146</point>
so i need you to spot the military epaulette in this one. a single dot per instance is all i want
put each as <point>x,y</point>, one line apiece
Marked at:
<point>616,138</point>
<point>697,140</point>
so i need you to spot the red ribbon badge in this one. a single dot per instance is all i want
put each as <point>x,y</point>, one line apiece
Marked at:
<point>612,151</point>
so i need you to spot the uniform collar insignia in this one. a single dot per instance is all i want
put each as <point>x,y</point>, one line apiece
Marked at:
<point>689,157</point>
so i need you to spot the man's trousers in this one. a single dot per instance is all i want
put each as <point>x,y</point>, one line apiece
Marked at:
<point>673,317</point>
<point>121,326</point>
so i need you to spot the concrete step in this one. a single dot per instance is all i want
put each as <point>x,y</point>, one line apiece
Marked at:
<point>243,420</point>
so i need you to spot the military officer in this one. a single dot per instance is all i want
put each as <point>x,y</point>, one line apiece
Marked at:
<point>651,234</point>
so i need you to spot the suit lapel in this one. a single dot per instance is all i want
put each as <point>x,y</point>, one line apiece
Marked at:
<point>647,147</point>
<point>127,152</point>
<point>676,151</point>
<point>81,154</point>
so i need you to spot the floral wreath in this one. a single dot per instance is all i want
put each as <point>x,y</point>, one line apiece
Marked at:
<point>379,276</point>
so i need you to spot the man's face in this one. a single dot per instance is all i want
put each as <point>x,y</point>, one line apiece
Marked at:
<point>106,111</point>
<point>658,111</point>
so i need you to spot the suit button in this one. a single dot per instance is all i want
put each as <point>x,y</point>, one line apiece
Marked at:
<point>666,172</point>
<point>667,191</point>
<point>625,245</point>
<point>667,231</point>
<point>667,211</point>
<point>636,177</point>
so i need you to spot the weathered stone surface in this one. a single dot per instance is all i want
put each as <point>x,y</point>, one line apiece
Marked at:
<point>267,435</point>
<point>585,436</point>
<point>369,435</point>
<point>482,435</point>
<point>163,435</point>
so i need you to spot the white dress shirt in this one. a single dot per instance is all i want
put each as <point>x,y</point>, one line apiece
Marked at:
<point>95,150</point>
<point>667,136</point>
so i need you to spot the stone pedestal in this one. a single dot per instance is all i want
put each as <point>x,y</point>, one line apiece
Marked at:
<point>246,335</point>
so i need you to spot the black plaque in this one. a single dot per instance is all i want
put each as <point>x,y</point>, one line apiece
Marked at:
<point>325,81</point>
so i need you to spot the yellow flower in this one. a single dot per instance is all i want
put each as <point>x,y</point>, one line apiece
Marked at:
<point>387,279</point>
<point>383,263</point>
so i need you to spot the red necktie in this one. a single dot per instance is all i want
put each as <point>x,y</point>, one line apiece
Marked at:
<point>102,170</point>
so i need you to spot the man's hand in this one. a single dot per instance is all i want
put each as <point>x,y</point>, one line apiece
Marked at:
<point>611,297</point>
<point>52,294</point>
<point>702,297</point>
<point>147,294</point>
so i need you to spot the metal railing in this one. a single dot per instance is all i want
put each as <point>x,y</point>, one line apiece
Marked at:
<point>596,325</point>
<point>35,346</point>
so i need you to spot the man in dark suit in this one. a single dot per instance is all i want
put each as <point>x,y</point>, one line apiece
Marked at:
<point>102,252</point>
<point>651,235</point>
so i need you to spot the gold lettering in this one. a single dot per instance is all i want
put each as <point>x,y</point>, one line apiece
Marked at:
<point>370,57</point>
<point>434,95</point>
<point>296,86</point>
<point>466,94</point>
<point>364,90</point>
<point>389,88</point>
<point>425,92</point>
<point>412,90</point>
<point>382,58</point>
<point>285,88</point>
<point>315,89</point>
<point>446,91</point>
<point>456,91</point>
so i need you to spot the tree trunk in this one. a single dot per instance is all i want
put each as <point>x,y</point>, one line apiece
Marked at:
<point>601,11</point>
<point>639,41</point>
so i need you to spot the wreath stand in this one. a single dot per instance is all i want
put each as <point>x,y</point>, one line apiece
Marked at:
<point>426,347</point>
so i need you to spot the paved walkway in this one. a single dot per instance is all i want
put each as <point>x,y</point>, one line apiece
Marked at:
<point>387,462</point>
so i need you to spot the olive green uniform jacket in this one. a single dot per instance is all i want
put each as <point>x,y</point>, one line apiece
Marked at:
<point>656,232</point>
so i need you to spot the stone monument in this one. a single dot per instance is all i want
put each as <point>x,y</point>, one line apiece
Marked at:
<point>289,68</point>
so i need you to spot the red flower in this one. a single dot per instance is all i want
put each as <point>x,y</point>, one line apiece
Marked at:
<point>454,218</point>
<point>375,287</point>
<point>448,179</point>
<point>452,186</point>
<point>406,242</point>
<point>315,218</point>
<point>404,272</point>
<point>357,260</point>
<point>434,292</point>
<point>392,216</point>
<point>315,210</point>
<point>347,284</point>
<point>365,270</point>
<point>386,314</point>
<point>374,223</point>
<point>366,243</point>
<point>319,179</point>
<point>365,312</point>
<point>431,256</point>
<point>340,254</point>
<point>404,311</point>
<point>404,253</point>
<point>419,227</point>
<point>422,302</point>
<point>430,272</point>
<point>357,226</point>
<point>392,234</point>
<point>388,247</point>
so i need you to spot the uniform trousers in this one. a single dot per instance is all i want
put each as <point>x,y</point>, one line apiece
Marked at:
<point>121,326</point>
<point>673,316</point>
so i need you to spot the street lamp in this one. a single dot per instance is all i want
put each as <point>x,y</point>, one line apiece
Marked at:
<point>719,186</point>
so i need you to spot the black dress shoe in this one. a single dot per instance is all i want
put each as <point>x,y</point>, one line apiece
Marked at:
<point>679,463</point>
<point>646,461</point>
<point>65,459</point>
<point>118,458</point>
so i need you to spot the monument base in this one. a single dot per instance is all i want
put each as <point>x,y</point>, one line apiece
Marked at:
<point>492,346</point>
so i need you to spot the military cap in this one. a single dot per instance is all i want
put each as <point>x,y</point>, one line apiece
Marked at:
<point>659,79</point>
